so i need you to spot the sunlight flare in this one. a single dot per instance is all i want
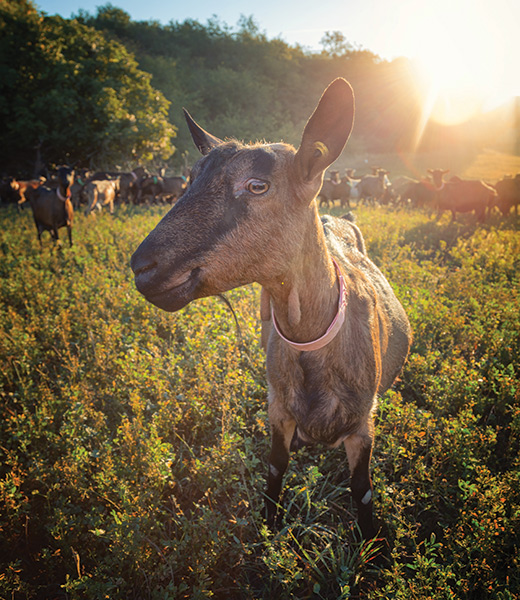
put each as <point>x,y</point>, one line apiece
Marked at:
<point>470,61</point>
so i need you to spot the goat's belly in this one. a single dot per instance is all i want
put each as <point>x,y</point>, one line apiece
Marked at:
<point>326,419</point>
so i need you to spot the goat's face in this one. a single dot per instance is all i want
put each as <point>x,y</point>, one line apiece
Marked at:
<point>244,213</point>
<point>437,176</point>
<point>65,176</point>
<point>228,229</point>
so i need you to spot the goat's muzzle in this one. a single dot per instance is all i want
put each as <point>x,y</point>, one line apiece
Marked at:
<point>168,291</point>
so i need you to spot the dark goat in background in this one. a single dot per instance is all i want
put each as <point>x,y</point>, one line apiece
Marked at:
<point>52,207</point>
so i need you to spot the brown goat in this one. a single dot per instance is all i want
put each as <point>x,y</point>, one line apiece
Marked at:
<point>333,189</point>
<point>372,187</point>
<point>101,193</point>
<point>250,215</point>
<point>52,208</point>
<point>508,190</point>
<point>23,188</point>
<point>163,188</point>
<point>461,195</point>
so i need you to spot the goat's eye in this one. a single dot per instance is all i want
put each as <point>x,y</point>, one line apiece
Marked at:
<point>257,186</point>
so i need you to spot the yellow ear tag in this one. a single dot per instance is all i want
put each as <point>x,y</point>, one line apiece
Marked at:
<point>320,149</point>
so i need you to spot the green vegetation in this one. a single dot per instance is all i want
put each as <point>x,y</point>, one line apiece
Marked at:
<point>68,94</point>
<point>133,442</point>
<point>102,91</point>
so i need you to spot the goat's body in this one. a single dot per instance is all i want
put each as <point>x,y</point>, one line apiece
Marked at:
<point>508,191</point>
<point>333,189</point>
<point>331,393</point>
<point>25,188</point>
<point>51,212</point>
<point>372,187</point>
<point>461,195</point>
<point>250,214</point>
<point>162,188</point>
<point>101,193</point>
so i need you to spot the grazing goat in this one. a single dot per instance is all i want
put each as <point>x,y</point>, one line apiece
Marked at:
<point>52,208</point>
<point>461,195</point>
<point>508,190</point>
<point>337,336</point>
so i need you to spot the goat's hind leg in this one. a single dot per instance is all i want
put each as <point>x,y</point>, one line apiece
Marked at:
<point>281,435</point>
<point>359,453</point>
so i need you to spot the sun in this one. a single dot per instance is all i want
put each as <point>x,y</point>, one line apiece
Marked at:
<point>468,58</point>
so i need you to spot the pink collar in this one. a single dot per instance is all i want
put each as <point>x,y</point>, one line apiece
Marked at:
<point>441,187</point>
<point>334,327</point>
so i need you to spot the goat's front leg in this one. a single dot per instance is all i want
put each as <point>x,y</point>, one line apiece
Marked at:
<point>282,432</point>
<point>359,453</point>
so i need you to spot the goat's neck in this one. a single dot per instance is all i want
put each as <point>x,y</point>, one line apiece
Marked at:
<point>305,296</point>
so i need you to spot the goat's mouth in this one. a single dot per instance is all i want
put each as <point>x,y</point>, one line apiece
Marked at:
<point>173,293</point>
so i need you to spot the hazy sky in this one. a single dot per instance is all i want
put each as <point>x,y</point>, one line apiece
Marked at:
<point>470,44</point>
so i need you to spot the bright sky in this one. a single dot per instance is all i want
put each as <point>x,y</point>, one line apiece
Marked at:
<point>468,50</point>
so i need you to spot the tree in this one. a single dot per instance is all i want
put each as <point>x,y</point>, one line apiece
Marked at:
<point>76,95</point>
<point>335,44</point>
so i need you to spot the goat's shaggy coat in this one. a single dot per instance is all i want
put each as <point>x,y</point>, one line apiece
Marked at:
<point>250,215</point>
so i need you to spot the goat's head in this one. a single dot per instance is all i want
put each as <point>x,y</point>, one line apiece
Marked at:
<point>65,176</point>
<point>437,176</point>
<point>245,210</point>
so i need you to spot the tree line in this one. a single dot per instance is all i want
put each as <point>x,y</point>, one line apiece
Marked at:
<point>104,91</point>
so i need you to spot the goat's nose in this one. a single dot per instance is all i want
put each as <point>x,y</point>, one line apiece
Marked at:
<point>142,264</point>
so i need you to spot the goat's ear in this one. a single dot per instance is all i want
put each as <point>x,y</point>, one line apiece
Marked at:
<point>327,131</point>
<point>204,141</point>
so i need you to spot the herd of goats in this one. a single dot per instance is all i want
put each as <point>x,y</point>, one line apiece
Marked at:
<point>433,192</point>
<point>54,200</point>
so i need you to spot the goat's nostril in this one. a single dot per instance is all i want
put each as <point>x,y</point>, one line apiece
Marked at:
<point>140,263</point>
<point>144,269</point>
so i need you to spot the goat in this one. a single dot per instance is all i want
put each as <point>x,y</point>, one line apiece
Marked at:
<point>421,194</point>
<point>333,189</point>
<point>77,189</point>
<point>170,188</point>
<point>23,188</point>
<point>372,187</point>
<point>129,184</point>
<point>508,190</point>
<point>52,208</point>
<point>250,215</point>
<point>101,193</point>
<point>461,195</point>
<point>352,185</point>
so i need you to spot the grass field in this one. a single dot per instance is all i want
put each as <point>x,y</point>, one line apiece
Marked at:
<point>133,442</point>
